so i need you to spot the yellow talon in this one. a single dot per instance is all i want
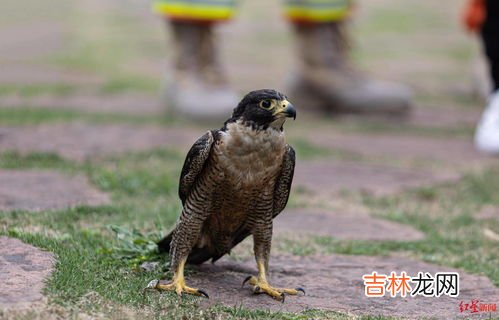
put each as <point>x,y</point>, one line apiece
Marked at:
<point>178,284</point>
<point>180,288</point>
<point>260,285</point>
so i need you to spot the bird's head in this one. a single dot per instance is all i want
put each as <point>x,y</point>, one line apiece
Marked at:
<point>263,109</point>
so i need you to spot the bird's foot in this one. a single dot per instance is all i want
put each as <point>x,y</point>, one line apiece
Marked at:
<point>262,286</point>
<point>178,286</point>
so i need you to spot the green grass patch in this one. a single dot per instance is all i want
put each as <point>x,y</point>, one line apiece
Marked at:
<point>399,127</point>
<point>447,214</point>
<point>306,150</point>
<point>455,237</point>
<point>112,44</point>
<point>31,90</point>
<point>30,116</point>
<point>15,160</point>
<point>128,83</point>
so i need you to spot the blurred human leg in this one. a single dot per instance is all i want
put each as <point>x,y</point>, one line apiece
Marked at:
<point>326,79</point>
<point>198,88</point>
<point>487,132</point>
<point>490,36</point>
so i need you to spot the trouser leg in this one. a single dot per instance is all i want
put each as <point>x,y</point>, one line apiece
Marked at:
<point>490,36</point>
<point>197,88</point>
<point>325,78</point>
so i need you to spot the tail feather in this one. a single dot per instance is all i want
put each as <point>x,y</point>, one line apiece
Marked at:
<point>164,244</point>
<point>197,255</point>
<point>200,255</point>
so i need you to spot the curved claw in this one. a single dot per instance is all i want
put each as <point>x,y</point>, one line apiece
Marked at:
<point>257,290</point>
<point>301,289</point>
<point>151,285</point>
<point>203,293</point>
<point>245,280</point>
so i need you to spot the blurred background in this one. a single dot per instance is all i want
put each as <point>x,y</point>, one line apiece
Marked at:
<point>110,56</point>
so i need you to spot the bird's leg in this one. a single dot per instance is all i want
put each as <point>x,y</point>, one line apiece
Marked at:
<point>184,236</point>
<point>260,283</point>
<point>177,284</point>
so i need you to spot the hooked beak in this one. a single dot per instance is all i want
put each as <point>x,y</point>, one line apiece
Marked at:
<point>287,109</point>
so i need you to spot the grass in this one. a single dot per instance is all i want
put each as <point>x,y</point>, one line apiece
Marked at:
<point>99,249</point>
<point>130,83</point>
<point>306,150</point>
<point>455,237</point>
<point>399,127</point>
<point>113,44</point>
<point>14,160</point>
<point>39,115</point>
<point>31,90</point>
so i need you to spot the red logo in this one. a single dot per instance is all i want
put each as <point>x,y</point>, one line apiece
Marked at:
<point>475,306</point>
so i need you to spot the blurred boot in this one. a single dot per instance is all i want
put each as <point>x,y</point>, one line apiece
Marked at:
<point>487,131</point>
<point>327,81</point>
<point>199,89</point>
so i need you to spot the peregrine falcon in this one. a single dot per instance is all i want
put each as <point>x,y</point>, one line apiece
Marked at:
<point>234,182</point>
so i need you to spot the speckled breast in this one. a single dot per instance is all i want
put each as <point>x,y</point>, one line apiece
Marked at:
<point>249,157</point>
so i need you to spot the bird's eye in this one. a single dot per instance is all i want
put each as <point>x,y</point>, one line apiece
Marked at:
<point>266,104</point>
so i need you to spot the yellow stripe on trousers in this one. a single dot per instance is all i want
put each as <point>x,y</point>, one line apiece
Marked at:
<point>316,10</point>
<point>295,10</point>
<point>196,10</point>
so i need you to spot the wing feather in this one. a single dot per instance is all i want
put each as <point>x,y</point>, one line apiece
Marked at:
<point>193,165</point>
<point>283,183</point>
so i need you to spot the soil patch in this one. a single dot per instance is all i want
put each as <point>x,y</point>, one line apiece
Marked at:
<point>332,177</point>
<point>80,141</point>
<point>24,270</point>
<point>335,283</point>
<point>45,190</point>
<point>488,212</point>
<point>344,225</point>
<point>136,104</point>
<point>442,150</point>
